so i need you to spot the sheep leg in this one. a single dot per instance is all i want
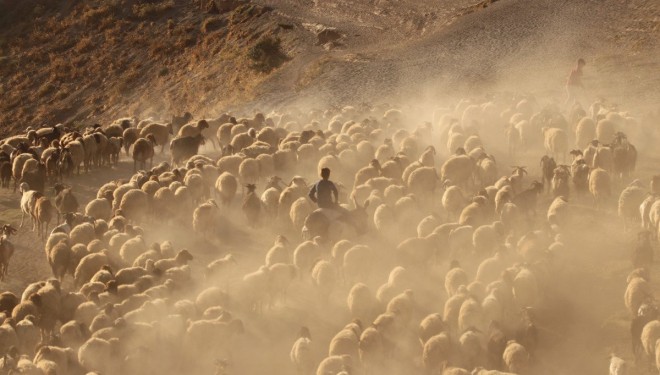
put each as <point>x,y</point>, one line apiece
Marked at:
<point>22,219</point>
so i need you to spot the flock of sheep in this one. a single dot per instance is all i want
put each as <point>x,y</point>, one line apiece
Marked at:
<point>444,263</point>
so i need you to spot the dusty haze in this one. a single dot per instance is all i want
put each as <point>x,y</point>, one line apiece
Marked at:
<point>429,60</point>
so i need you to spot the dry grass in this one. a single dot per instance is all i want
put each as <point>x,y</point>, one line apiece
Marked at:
<point>267,54</point>
<point>98,59</point>
<point>152,9</point>
<point>312,71</point>
<point>212,24</point>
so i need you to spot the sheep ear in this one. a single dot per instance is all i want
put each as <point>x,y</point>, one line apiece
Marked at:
<point>366,204</point>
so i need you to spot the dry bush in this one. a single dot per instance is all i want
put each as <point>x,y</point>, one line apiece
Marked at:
<point>84,45</point>
<point>267,54</point>
<point>45,89</point>
<point>95,15</point>
<point>213,23</point>
<point>152,9</point>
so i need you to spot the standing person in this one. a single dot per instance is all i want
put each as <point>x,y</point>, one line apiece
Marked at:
<point>574,85</point>
<point>324,190</point>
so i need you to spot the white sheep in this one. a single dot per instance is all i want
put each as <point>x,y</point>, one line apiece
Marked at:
<point>334,365</point>
<point>131,249</point>
<point>305,256</point>
<point>300,209</point>
<point>17,167</point>
<point>619,366</point>
<point>99,208</point>
<point>301,354</point>
<point>346,341</point>
<point>226,186</point>
<point>484,239</point>
<point>82,234</point>
<point>470,315</point>
<point>398,280</point>
<point>650,336</point>
<point>526,288</point>
<point>605,130</point>
<point>637,291</point>
<point>603,158</point>
<point>645,211</point>
<point>357,263</point>
<point>436,352</point>
<point>600,186</point>
<point>556,142</point>
<point>630,200</point>
<point>559,212</point>
<point>248,171</point>
<point>422,182</point>
<point>516,357</point>
<point>458,169</point>
<point>324,277</point>
<point>361,302</point>
<point>585,132</point>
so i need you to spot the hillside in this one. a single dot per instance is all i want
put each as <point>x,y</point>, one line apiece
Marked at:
<point>93,61</point>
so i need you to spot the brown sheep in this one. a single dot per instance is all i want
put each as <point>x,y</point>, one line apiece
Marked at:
<point>143,150</point>
<point>65,201</point>
<point>192,130</point>
<point>161,133</point>
<point>130,135</point>
<point>6,249</point>
<point>42,215</point>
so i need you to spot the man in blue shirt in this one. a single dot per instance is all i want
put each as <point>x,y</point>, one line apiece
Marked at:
<point>322,192</point>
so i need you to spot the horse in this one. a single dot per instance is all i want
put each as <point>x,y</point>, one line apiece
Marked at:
<point>323,222</point>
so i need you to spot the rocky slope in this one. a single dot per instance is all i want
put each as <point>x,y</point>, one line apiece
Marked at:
<point>92,61</point>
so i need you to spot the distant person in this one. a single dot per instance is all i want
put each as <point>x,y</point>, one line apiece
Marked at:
<point>574,87</point>
<point>323,192</point>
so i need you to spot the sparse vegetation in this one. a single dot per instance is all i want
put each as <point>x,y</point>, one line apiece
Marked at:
<point>152,9</point>
<point>104,54</point>
<point>267,54</point>
<point>84,45</point>
<point>312,71</point>
<point>213,23</point>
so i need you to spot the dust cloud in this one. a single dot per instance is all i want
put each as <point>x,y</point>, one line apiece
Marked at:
<point>447,259</point>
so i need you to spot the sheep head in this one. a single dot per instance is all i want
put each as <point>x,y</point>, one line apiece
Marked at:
<point>183,256</point>
<point>151,138</point>
<point>59,187</point>
<point>519,170</point>
<point>8,230</point>
<point>281,239</point>
<point>537,186</point>
<point>304,332</point>
<point>202,124</point>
